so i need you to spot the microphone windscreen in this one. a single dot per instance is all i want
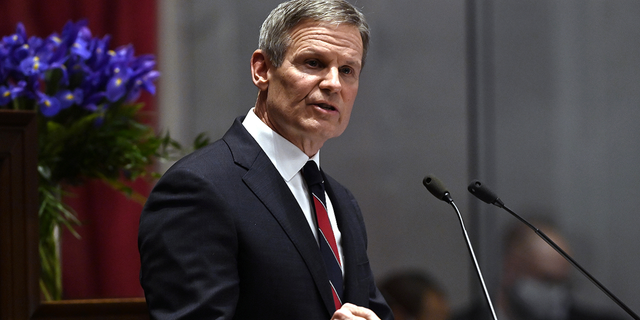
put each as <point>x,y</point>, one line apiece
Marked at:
<point>482,192</point>
<point>435,186</point>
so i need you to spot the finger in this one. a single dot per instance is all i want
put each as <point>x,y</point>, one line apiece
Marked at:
<point>350,311</point>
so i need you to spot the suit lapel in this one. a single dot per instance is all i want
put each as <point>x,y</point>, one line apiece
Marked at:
<point>277,198</point>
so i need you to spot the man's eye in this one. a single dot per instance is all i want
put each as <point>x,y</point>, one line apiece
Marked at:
<point>313,63</point>
<point>346,70</point>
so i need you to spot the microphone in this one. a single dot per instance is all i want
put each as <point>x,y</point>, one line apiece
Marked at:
<point>483,193</point>
<point>437,188</point>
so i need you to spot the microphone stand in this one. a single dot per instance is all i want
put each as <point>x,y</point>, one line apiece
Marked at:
<point>475,261</point>
<point>483,193</point>
<point>435,186</point>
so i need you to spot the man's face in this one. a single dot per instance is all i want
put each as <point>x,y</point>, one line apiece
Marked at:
<point>310,96</point>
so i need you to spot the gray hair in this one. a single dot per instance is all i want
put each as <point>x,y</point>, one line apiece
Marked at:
<point>274,33</point>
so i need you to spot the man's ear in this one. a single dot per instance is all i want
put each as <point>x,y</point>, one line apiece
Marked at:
<point>260,65</point>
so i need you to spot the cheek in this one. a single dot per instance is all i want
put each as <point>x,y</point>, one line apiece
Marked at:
<point>346,115</point>
<point>349,95</point>
<point>349,98</point>
<point>298,85</point>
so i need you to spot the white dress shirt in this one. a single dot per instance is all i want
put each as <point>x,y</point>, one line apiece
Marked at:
<point>289,160</point>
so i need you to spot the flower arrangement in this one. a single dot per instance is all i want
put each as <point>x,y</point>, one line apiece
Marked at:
<point>89,125</point>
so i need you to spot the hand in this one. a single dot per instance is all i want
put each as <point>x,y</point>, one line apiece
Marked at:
<point>353,312</point>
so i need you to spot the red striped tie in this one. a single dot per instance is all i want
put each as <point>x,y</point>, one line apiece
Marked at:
<point>327,241</point>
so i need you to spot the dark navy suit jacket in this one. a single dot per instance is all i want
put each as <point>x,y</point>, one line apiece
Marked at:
<point>222,237</point>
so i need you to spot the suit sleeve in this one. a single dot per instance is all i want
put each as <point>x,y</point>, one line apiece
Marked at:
<point>378,305</point>
<point>188,250</point>
<point>376,301</point>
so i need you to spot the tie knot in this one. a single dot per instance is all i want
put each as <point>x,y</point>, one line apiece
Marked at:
<point>311,173</point>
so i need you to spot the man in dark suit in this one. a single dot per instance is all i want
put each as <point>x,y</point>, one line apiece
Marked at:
<point>230,231</point>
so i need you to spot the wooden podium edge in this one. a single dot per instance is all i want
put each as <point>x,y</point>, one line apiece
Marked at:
<point>95,309</point>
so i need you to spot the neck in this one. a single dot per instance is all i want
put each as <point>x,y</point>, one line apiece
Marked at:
<point>309,146</point>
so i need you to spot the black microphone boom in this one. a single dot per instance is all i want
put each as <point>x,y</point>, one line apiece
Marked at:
<point>437,188</point>
<point>483,193</point>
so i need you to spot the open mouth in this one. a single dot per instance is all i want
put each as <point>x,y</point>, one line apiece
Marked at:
<point>326,106</point>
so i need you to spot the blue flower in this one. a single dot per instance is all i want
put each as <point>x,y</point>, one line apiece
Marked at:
<point>117,86</point>
<point>18,38</point>
<point>8,93</point>
<point>71,30</point>
<point>68,98</point>
<point>80,48</point>
<point>57,51</point>
<point>123,54</point>
<point>99,53</point>
<point>72,69</point>
<point>147,81</point>
<point>33,66</point>
<point>16,55</point>
<point>5,95</point>
<point>49,106</point>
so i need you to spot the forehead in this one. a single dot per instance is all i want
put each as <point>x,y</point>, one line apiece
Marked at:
<point>339,38</point>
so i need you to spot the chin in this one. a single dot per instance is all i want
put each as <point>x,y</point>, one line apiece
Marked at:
<point>333,131</point>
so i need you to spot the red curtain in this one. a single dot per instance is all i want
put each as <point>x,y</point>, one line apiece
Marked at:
<point>104,263</point>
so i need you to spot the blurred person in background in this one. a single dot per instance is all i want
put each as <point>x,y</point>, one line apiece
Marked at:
<point>535,281</point>
<point>414,295</point>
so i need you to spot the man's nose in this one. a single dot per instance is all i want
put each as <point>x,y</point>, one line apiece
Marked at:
<point>331,81</point>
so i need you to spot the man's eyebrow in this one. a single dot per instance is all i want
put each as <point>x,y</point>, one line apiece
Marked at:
<point>312,51</point>
<point>309,51</point>
<point>355,63</point>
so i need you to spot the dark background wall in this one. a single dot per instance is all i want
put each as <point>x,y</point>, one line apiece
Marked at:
<point>565,129</point>
<point>539,99</point>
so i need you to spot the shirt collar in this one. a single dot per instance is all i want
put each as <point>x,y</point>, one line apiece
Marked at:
<point>285,156</point>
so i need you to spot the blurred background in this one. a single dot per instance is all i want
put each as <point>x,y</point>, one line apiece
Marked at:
<point>540,100</point>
